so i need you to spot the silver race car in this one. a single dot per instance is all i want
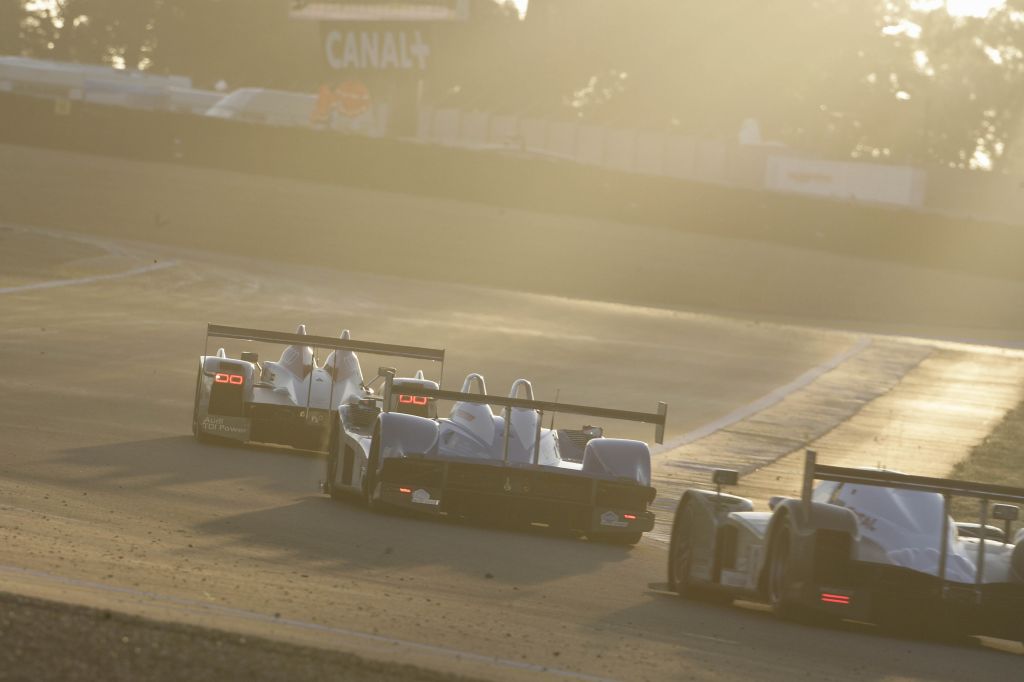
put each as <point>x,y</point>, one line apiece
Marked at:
<point>292,401</point>
<point>865,545</point>
<point>505,468</point>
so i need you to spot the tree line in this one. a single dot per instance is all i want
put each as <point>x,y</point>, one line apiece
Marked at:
<point>893,80</point>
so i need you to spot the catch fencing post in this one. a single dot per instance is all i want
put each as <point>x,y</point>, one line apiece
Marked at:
<point>810,462</point>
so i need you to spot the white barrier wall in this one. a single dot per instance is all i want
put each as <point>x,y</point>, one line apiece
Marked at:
<point>649,153</point>
<point>618,149</point>
<point>473,128</point>
<point>681,158</point>
<point>589,147</point>
<point>710,164</point>
<point>561,139</point>
<point>847,180</point>
<point>678,156</point>
<point>504,131</point>
<point>774,168</point>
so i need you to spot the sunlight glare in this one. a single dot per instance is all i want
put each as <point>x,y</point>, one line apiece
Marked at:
<point>959,8</point>
<point>520,5</point>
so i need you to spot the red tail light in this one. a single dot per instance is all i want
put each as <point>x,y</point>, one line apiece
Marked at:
<point>830,598</point>
<point>405,490</point>
<point>412,399</point>
<point>629,517</point>
<point>233,379</point>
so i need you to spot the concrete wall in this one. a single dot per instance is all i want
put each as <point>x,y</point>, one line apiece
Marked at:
<point>950,192</point>
<point>679,157</point>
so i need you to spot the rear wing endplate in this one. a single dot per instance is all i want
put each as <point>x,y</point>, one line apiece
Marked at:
<point>947,487</point>
<point>656,418</point>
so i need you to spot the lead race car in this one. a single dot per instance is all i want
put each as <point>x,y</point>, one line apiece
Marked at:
<point>507,467</point>
<point>292,401</point>
<point>864,544</point>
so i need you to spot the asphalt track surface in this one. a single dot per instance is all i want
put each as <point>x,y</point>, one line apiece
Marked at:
<point>105,500</point>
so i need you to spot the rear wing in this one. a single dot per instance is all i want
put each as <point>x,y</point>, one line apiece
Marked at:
<point>656,418</point>
<point>949,488</point>
<point>324,342</point>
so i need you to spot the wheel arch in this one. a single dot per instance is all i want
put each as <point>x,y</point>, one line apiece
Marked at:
<point>803,522</point>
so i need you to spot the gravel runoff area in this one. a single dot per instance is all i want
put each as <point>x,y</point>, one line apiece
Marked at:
<point>46,640</point>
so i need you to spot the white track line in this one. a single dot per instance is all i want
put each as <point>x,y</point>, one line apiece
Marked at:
<point>193,606</point>
<point>768,400</point>
<point>52,284</point>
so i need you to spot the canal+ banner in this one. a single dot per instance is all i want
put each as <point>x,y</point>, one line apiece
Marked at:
<point>376,47</point>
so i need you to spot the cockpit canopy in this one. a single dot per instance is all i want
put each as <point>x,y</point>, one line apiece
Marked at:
<point>298,359</point>
<point>343,364</point>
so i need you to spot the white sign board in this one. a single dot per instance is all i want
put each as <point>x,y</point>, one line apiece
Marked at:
<point>372,49</point>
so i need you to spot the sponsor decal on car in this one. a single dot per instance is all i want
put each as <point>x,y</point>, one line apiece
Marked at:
<point>866,520</point>
<point>610,518</point>
<point>220,425</point>
<point>421,496</point>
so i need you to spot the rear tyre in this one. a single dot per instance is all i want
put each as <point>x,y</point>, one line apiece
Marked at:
<point>332,469</point>
<point>780,578</point>
<point>680,552</point>
<point>778,574</point>
<point>369,483</point>
<point>779,581</point>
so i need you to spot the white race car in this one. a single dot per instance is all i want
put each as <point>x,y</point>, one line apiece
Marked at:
<point>506,468</point>
<point>292,401</point>
<point>865,545</point>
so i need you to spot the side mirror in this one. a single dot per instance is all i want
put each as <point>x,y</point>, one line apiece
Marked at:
<point>250,356</point>
<point>722,477</point>
<point>386,371</point>
<point>1005,512</point>
<point>725,477</point>
<point>774,501</point>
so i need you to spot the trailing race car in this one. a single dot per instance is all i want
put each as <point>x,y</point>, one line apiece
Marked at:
<point>865,545</point>
<point>506,468</point>
<point>293,401</point>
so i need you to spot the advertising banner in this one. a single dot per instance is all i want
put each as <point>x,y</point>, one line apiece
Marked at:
<point>376,48</point>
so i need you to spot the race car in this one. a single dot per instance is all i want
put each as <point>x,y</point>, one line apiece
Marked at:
<point>864,544</point>
<point>504,468</point>
<point>293,401</point>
